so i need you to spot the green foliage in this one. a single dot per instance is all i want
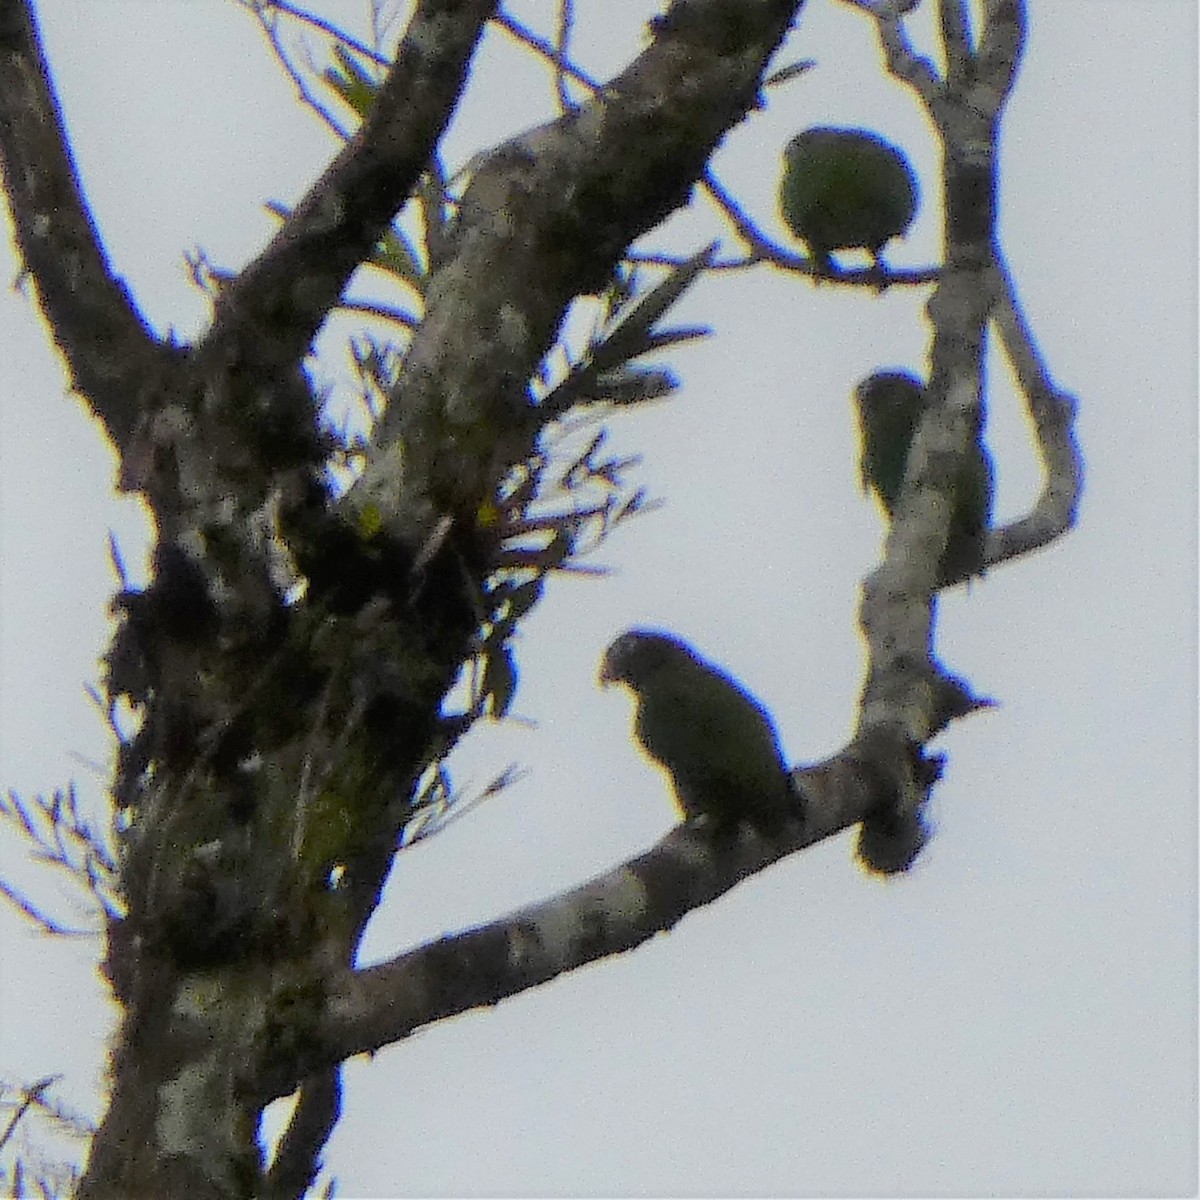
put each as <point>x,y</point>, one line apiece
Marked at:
<point>349,81</point>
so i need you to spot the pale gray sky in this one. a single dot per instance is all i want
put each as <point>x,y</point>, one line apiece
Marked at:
<point>1017,1015</point>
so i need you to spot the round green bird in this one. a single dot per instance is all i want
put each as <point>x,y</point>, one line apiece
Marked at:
<point>717,742</point>
<point>846,189</point>
<point>890,405</point>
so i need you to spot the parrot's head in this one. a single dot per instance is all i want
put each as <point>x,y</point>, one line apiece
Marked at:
<point>639,653</point>
<point>890,392</point>
<point>813,139</point>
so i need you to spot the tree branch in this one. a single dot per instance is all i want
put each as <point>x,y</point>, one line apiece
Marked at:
<point>902,61</point>
<point>111,353</point>
<point>288,290</point>
<point>546,218</point>
<point>897,609</point>
<point>368,1009</point>
<point>298,1156</point>
<point>956,38</point>
<point>1053,415</point>
<point>563,67</point>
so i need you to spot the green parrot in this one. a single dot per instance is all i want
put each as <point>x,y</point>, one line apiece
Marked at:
<point>716,741</point>
<point>890,405</point>
<point>846,189</point>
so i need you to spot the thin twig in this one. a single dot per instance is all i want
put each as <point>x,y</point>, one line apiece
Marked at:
<point>326,27</point>
<point>35,916</point>
<point>30,1096</point>
<point>522,33</point>
<point>385,312</point>
<point>562,48</point>
<point>307,96</point>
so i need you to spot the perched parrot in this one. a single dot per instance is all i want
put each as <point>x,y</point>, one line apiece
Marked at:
<point>846,189</point>
<point>716,741</point>
<point>890,405</point>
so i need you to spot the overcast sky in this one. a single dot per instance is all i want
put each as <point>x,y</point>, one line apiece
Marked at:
<point>1015,1016</point>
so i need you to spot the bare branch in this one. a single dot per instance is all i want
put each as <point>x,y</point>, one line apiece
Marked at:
<point>562,52</point>
<point>1001,44</point>
<point>35,916</point>
<point>905,687</point>
<point>263,9</point>
<point>576,193</point>
<point>761,247</point>
<point>293,284</point>
<point>308,97</point>
<point>62,838</point>
<point>554,55</point>
<point>902,60</point>
<point>384,312</point>
<point>613,913</point>
<point>956,38</point>
<point>51,1179</point>
<point>1053,415</point>
<point>298,1156</point>
<point>112,355</point>
<point>29,1097</point>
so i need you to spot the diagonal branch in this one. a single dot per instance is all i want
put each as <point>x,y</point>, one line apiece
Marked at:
<point>563,67</point>
<point>288,290</point>
<point>109,349</point>
<point>902,60</point>
<point>374,1007</point>
<point>546,218</point>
